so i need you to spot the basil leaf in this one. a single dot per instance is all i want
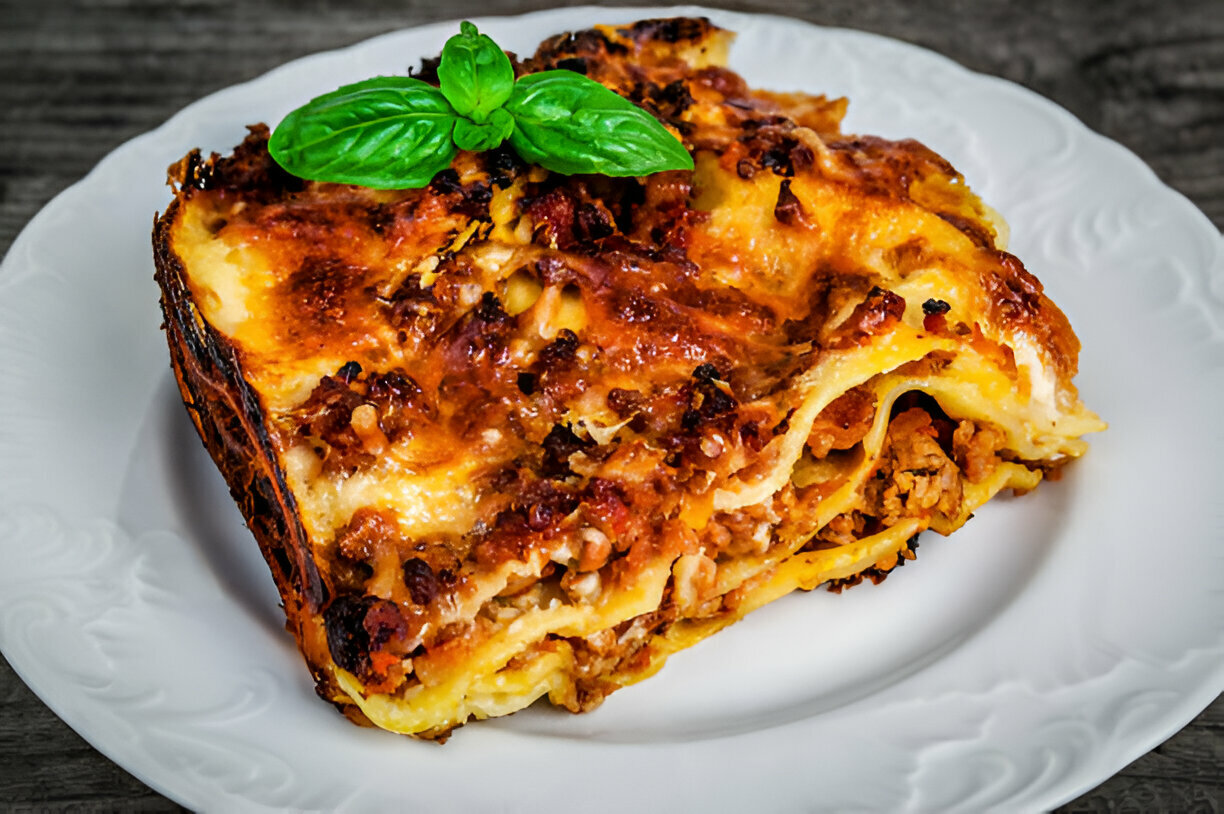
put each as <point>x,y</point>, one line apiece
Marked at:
<point>388,132</point>
<point>570,124</point>
<point>475,75</point>
<point>480,137</point>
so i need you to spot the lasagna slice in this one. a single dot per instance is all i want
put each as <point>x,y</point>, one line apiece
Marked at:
<point>520,434</point>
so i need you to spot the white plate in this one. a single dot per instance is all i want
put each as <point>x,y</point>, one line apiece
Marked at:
<point>1024,660</point>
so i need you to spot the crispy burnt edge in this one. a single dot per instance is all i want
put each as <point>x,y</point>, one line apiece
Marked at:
<point>229,417</point>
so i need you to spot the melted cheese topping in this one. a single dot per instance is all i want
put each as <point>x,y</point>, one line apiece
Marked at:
<point>542,432</point>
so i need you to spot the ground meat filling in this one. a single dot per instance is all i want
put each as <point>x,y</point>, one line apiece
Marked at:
<point>976,450</point>
<point>925,462</point>
<point>916,477</point>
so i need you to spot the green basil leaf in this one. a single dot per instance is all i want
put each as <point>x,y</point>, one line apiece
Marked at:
<point>480,137</point>
<point>570,124</point>
<point>475,75</point>
<point>387,133</point>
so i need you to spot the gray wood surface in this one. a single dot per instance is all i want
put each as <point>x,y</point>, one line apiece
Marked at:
<point>79,78</point>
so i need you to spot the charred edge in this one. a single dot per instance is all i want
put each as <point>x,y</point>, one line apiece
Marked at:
<point>874,573</point>
<point>934,307</point>
<point>575,64</point>
<point>348,641</point>
<point>669,30</point>
<point>979,234</point>
<point>788,210</point>
<point>227,414</point>
<point>420,580</point>
<point>192,171</point>
<point>585,43</point>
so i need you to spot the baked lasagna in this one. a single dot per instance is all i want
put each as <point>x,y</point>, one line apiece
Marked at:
<point>520,435</point>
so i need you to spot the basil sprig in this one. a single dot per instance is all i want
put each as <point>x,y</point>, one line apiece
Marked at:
<point>398,132</point>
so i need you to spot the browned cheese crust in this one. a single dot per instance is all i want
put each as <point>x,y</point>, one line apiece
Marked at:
<point>598,365</point>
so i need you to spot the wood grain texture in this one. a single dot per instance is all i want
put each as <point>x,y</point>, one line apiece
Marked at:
<point>79,78</point>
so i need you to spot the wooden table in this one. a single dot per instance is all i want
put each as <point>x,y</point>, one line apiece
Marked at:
<point>79,78</point>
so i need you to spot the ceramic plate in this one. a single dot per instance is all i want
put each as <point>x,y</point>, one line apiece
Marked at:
<point>1022,661</point>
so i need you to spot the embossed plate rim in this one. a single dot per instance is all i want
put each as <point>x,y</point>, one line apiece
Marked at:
<point>981,715</point>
